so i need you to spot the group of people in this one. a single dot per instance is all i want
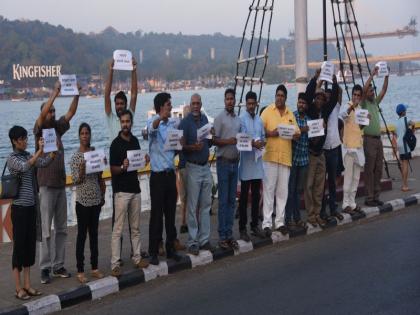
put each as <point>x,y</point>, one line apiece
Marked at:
<point>285,167</point>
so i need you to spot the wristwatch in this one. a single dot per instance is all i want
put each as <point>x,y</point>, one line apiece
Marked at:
<point>122,167</point>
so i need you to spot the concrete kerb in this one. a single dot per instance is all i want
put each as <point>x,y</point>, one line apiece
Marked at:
<point>109,285</point>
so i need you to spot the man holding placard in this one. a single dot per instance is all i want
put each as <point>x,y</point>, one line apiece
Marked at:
<point>277,159</point>
<point>251,169</point>
<point>126,191</point>
<point>163,192</point>
<point>319,110</point>
<point>226,126</point>
<point>199,180</point>
<point>52,192</point>
<point>372,142</point>
<point>353,155</point>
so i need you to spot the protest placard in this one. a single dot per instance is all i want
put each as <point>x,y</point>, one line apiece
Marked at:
<point>362,117</point>
<point>243,142</point>
<point>316,128</point>
<point>286,131</point>
<point>173,138</point>
<point>204,132</point>
<point>327,71</point>
<point>68,84</point>
<point>383,68</point>
<point>123,60</point>
<point>50,140</point>
<point>136,160</point>
<point>95,161</point>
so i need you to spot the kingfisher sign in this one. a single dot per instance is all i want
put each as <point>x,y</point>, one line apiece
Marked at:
<point>44,71</point>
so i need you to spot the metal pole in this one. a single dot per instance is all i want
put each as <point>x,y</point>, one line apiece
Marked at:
<point>324,16</point>
<point>301,44</point>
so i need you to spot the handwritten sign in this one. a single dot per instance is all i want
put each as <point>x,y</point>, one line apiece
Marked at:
<point>50,140</point>
<point>316,128</point>
<point>173,138</point>
<point>383,69</point>
<point>68,84</point>
<point>327,71</point>
<point>95,161</point>
<point>243,142</point>
<point>286,131</point>
<point>123,60</point>
<point>362,117</point>
<point>204,132</point>
<point>136,160</point>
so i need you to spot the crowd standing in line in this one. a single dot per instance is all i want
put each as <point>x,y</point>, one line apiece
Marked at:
<point>282,167</point>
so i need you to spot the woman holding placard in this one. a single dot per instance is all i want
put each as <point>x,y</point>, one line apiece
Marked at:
<point>90,192</point>
<point>21,163</point>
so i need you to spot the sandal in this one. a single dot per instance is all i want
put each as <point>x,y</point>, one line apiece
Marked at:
<point>358,209</point>
<point>32,292</point>
<point>224,244</point>
<point>97,274</point>
<point>82,278</point>
<point>22,295</point>
<point>233,244</point>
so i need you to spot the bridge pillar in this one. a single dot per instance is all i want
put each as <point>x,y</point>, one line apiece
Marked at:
<point>301,44</point>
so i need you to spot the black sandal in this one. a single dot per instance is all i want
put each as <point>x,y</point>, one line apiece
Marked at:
<point>22,295</point>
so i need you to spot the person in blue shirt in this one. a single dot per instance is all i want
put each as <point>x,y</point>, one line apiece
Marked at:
<point>251,169</point>
<point>299,170</point>
<point>405,153</point>
<point>163,193</point>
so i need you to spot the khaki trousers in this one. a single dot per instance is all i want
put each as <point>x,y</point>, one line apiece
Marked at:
<point>314,188</point>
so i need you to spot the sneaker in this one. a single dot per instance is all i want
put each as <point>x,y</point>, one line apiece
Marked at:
<point>208,246</point>
<point>256,231</point>
<point>178,245</point>
<point>45,276</point>
<point>244,236</point>
<point>283,230</point>
<point>267,232</point>
<point>116,272</point>
<point>183,229</point>
<point>61,273</point>
<point>194,250</point>
<point>154,260</point>
<point>143,263</point>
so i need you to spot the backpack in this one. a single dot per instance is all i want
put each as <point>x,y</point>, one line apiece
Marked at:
<point>409,138</point>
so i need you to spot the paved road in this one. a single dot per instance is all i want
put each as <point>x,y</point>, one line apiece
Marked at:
<point>367,268</point>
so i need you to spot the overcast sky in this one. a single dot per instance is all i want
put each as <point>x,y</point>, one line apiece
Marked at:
<point>211,16</point>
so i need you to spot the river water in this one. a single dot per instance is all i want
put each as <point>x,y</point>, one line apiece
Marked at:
<point>404,89</point>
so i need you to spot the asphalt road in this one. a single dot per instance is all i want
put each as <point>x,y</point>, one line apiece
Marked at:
<point>367,268</point>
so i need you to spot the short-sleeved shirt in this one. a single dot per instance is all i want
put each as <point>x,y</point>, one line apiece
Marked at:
<point>249,166</point>
<point>227,125</point>
<point>88,190</point>
<point>374,127</point>
<point>160,160</point>
<point>401,129</point>
<point>189,125</point>
<point>278,150</point>
<point>127,182</point>
<point>300,147</point>
<point>114,125</point>
<point>54,175</point>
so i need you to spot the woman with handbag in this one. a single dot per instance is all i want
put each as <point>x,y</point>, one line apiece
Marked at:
<point>90,192</point>
<point>24,207</point>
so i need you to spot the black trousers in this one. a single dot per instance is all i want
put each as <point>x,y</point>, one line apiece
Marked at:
<point>163,196</point>
<point>24,236</point>
<point>87,222</point>
<point>255,185</point>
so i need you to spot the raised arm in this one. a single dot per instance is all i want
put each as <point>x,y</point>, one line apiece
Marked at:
<point>334,98</point>
<point>73,106</point>
<point>44,112</point>
<point>134,90</point>
<point>368,82</point>
<point>384,89</point>
<point>107,92</point>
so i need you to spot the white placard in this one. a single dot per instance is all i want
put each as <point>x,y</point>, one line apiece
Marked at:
<point>316,128</point>
<point>173,138</point>
<point>136,160</point>
<point>243,142</point>
<point>95,161</point>
<point>383,68</point>
<point>204,132</point>
<point>68,84</point>
<point>286,131</point>
<point>50,140</point>
<point>123,60</point>
<point>327,71</point>
<point>362,117</point>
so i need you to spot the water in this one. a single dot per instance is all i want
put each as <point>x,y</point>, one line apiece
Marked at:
<point>401,90</point>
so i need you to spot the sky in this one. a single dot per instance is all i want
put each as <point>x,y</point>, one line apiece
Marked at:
<point>211,16</point>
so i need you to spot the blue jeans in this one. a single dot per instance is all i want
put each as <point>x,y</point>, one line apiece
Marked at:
<point>227,179</point>
<point>199,184</point>
<point>331,162</point>
<point>297,181</point>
